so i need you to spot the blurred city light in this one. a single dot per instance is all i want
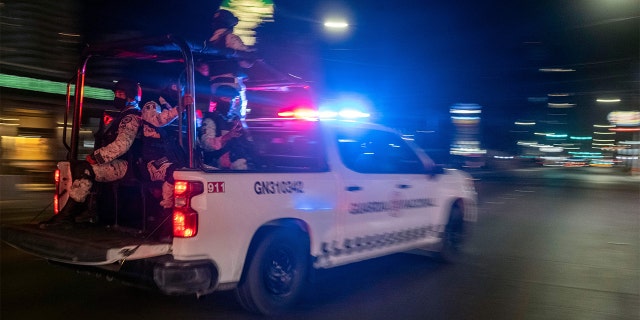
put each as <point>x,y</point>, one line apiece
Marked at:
<point>336,24</point>
<point>607,100</point>
<point>250,13</point>
<point>555,70</point>
<point>47,86</point>
<point>457,111</point>
<point>622,129</point>
<point>551,149</point>
<point>624,118</point>
<point>561,105</point>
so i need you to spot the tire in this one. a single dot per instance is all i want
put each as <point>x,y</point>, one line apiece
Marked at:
<point>276,274</point>
<point>453,236</point>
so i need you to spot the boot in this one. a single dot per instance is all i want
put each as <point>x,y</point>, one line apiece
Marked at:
<point>66,217</point>
<point>90,215</point>
<point>83,176</point>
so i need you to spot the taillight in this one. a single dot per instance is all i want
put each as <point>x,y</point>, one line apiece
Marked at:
<point>56,200</point>
<point>185,219</point>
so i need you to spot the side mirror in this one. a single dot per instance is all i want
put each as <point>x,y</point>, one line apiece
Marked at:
<point>434,170</point>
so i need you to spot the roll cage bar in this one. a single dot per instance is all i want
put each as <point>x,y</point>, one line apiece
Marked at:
<point>168,48</point>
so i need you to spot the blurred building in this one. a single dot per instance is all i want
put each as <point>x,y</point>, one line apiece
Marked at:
<point>39,49</point>
<point>466,144</point>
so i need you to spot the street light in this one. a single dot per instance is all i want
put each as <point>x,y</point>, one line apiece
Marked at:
<point>336,25</point>
<point>336,29</point>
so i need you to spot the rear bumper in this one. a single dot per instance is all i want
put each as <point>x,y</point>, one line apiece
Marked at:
<point>164,273</point>
<point>97,250</point>
<point>182,277</point>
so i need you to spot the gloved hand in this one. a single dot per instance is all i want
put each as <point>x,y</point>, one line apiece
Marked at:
<point>187,99</point>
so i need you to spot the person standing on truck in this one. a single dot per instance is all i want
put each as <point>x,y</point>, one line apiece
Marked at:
<point>227,72</point>
<point>109,161</point>
<point>223,141</point>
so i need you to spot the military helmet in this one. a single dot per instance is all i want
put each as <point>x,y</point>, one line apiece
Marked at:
<point>224,18</point>
<point>131,89</point>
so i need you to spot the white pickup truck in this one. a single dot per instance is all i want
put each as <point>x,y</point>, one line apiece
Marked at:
<point>318,193</point>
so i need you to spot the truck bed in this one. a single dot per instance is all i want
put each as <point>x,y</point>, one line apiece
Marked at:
<point>83,244</point>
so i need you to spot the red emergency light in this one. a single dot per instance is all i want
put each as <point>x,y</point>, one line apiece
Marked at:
<point>301,112</point>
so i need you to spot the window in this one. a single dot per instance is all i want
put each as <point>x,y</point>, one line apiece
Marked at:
<point>374,151</point>
<point>285,150</point>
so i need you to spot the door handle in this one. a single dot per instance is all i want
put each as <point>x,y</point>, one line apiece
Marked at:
<point>403,186</point>
<point>353,188</point>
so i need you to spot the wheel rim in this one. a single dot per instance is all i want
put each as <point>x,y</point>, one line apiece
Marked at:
<point>279,271</point>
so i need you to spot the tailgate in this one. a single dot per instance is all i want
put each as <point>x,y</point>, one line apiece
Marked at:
<point>82,245</point>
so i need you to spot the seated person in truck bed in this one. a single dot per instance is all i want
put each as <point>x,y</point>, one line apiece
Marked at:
<point>160,153</point>
<point>224,142</point>
<point>110,159</point>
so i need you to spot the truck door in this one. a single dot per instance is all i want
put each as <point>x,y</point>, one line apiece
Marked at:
<point>386,199</point>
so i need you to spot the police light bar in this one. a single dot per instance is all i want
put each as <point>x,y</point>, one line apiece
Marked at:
<point>299,113</point>
<point>344,114</point>
<point>311,114</point>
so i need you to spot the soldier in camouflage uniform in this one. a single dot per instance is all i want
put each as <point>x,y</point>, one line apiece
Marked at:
<point>108,162</point>
<point>221,137</point>
<point>227,71</point>
<point>160,155</point>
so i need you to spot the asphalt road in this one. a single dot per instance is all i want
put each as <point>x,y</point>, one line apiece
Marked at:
<point>549,244</point>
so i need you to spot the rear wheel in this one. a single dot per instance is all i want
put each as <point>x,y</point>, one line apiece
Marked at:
<point>274,279</point>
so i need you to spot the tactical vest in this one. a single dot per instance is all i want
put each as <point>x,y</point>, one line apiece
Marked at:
<point>238,147</point>
<point>165,146</point>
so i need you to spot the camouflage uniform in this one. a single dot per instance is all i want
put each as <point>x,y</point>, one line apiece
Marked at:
<point>115,147</point>
<point>111,163</point>
<point>157,157</point>
<point>222,138</point>
<point>105,164</point>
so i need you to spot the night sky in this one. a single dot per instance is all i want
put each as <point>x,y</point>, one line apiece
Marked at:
<point>423,50</point>
<point>414,58</point>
